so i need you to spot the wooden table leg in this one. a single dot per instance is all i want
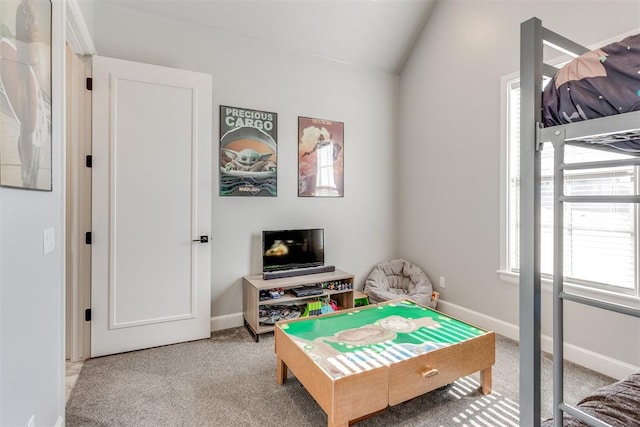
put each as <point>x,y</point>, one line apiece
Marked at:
<point>485,381</point>
<point>337,423</point>
<point>281,371</point>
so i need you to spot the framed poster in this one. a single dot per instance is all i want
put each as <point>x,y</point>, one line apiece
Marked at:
<point>248,152</point>
<point>320,158</point>
<point>25,94</point>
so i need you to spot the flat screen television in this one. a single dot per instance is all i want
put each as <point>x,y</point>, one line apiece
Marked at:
<point>292,249</point>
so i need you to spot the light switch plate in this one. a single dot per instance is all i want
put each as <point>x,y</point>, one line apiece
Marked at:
<point>48,240</point>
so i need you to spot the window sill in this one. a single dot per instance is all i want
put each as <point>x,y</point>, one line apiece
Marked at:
<point>546,286</point>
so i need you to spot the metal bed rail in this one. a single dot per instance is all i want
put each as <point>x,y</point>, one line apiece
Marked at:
<point>583,416</point>
<point>600,199</point>
<point>592,128</point>
<point>531,71</point>
<point>561,43</point>
<point>532,138</point>
<point>559,295</point>
<point>618,308</point>
<point>601,164</point>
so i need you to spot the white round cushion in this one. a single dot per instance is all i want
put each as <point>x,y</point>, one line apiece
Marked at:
<point>398,278</point>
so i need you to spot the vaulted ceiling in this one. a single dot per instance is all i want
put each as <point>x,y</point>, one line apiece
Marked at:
<point>377,34</point>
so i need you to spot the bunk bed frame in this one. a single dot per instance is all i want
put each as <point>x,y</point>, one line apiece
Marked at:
<point>532,136</point>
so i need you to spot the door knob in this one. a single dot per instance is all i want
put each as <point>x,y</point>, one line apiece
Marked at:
<point>202,239</point>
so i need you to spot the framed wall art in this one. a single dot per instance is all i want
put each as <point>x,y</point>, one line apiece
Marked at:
<point>25,94</point>
<point>320,158</point>
<point>248,152</point>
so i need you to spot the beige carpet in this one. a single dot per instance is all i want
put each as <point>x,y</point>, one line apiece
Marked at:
<point>229,380</point>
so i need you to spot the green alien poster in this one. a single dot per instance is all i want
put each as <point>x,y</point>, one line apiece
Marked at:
<point>248,152</point>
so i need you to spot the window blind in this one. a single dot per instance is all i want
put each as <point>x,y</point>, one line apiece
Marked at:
<point>600,241</point>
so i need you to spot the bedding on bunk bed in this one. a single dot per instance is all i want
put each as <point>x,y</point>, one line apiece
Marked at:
<point>617,404</point>
<point>599,83</point>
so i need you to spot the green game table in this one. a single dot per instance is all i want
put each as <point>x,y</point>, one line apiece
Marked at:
<point>359,361</point>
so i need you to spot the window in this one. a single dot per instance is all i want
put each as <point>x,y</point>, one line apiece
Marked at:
<point>325,176</point>
<point>600,240</point>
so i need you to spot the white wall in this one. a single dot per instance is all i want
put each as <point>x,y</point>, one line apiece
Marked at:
<point>449,199</point>
<point>450,155</point>
<point>359,228</point>
<point>32,284</point>
<point>86,7</point>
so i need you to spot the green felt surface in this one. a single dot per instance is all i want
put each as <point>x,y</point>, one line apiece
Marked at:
<point>449,331</point>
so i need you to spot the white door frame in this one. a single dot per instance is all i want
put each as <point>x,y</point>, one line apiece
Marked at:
<point>78,198</point>
<point>78,207</point>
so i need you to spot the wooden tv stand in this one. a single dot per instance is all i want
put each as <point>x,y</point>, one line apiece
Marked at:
<point>252,285</point>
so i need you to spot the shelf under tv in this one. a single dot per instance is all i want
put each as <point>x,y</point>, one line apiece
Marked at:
<point>252,285</point>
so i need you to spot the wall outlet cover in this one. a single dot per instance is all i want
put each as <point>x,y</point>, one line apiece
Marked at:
<point>48,240</point>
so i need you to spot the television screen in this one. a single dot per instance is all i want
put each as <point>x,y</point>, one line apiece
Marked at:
<point>289,249</point>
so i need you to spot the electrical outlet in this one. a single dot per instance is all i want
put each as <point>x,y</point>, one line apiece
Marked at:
<point>442,282</point>
<point>32,421</point>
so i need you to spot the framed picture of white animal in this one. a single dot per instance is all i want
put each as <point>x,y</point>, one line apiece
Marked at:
<point>320,158</point>
<point>248,152</point>
<point>25,94</point>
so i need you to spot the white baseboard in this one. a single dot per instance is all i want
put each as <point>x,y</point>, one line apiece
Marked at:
<point>59,422</point>
<point>581,356</point>
<point>227,321</point>
<point>596,361</point>
<point>482,320</point>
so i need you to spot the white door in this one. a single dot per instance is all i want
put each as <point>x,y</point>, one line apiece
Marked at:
<point>151,185</point>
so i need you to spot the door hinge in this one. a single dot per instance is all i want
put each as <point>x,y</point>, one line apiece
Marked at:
<point>89,83</point>
<point>88,162</point>
<point>87,238</point>
<point>87,315</point>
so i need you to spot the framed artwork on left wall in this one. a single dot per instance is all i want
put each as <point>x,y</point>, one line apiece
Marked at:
<point>25,94</point>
